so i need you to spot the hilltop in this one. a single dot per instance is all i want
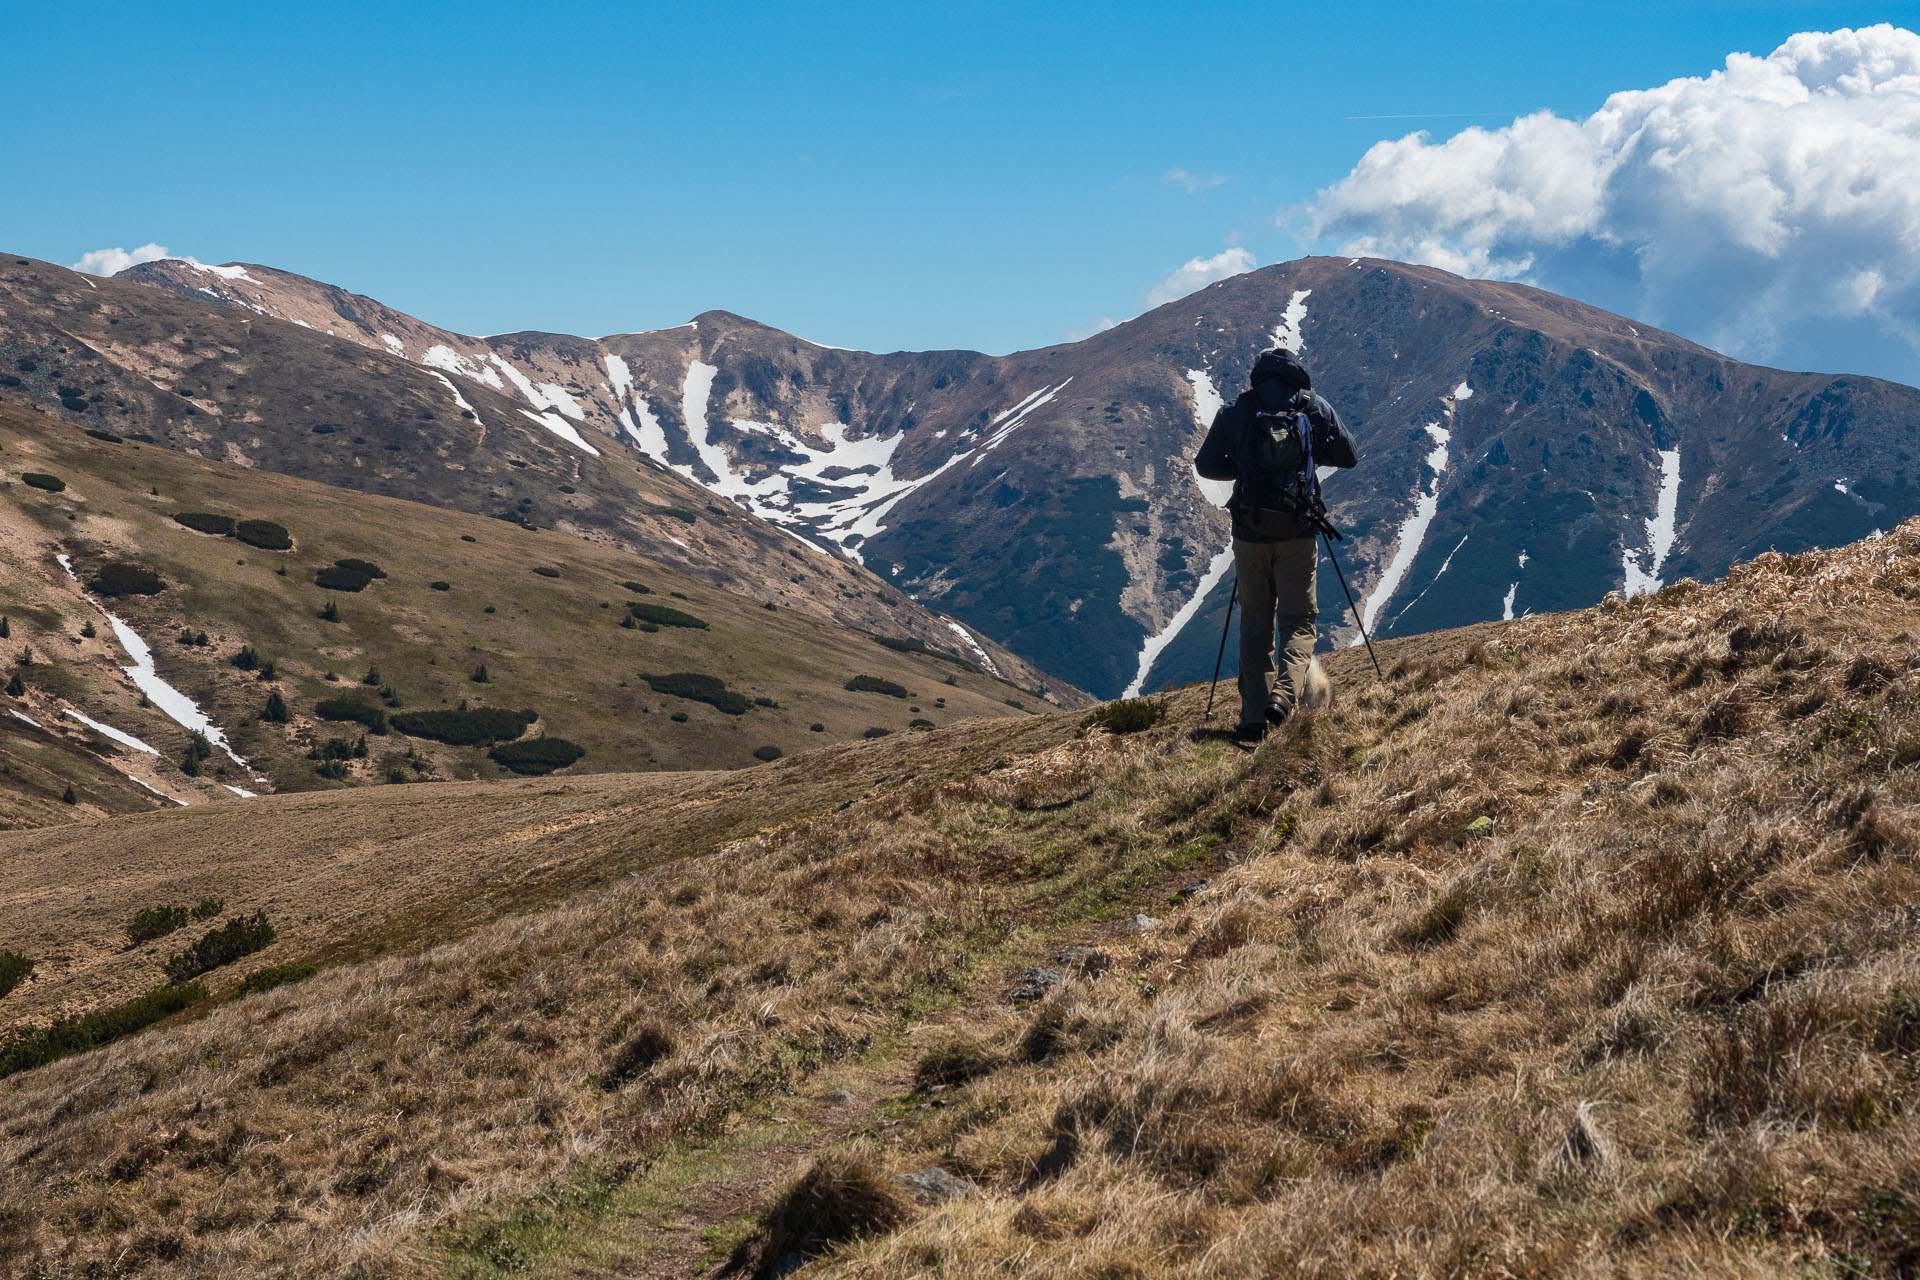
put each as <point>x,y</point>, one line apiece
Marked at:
<point>1583,944</point>
<point>631,660</point>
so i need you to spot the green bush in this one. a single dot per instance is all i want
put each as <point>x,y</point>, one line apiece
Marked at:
<point>342,709</point>
<point>264,534</point>
<point>149,923</point>
<point>276,708</point>
<point>246,659</point>
<point>874,684</point>
<point>35,1047</point>
<point>239,936</point>
<point>1130,715</point>
<point>441,586</point>
<point>275,975</point>
<point>678,717</point>
<point>206,522</point>
<point>478,727</point>
<point>694,687</point>
<point>664,616</point>
<point>638,588</point>
<point>108,436</point>
<point>14,970</point>
<point>329,612</point>
<point>41,480</point>
<point>817,727</point>
<point>920,724</point>
<point>208,908</point>
<point>119,578</point>
<point>367,567</point>
<point>768,752</point>
<point>338,578</point>
<point>537,755</point>
<point>545,572</point>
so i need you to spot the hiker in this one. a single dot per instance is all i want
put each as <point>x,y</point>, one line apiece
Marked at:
<point>1257,442</point>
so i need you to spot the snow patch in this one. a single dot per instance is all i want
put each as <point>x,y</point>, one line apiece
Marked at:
<point>1463,391</point>
<point>1660,531</point>
<point>242,792</point>
<point>458,399</point>
<point>1413,532</point>
<point>1150,652</point>
<point>107,730</point>
<point>157,791</point>
<point>21,715</point>
<point>232,271</point>
<point>441,356</point>
<point>394,345</point>
<point>1506,605</point>
<point>1287,332</point>
<point>550,402</point>
<point>966,638</point>
<point>1206,406</point>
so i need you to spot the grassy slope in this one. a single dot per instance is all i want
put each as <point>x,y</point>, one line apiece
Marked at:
<point>1659,1017</point>
<point>548,644</point>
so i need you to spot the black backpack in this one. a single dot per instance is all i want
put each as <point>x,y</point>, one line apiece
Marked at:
<point>1279,488</point>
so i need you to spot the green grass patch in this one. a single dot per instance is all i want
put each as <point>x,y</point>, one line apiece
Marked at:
<point>276,975</point>
<point>1129,715</point>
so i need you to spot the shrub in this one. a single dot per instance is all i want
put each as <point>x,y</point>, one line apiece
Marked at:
<point>920,724</point>
<point>638,588</point>
<point>149,923</point>
<point>537,755</point>
<point>367,567</point>
<point>16,687</point>
<point>69,796</point>
<point>479,675</point>
<point>329,612</point>
<point>352,709</point>
<point>768,752</point>
<point>206,522</point>
<point>32,1048</point>
<point>208,908</point>
<point>339,578</point>
<point>678,717</point>
<point>14,970</point>
<point>107,436</point>
<point>545,572</point>
<point>264,534</point>
<point>324,428</point>
<point>816,727</point>
<point>441,586</point>
<point>41,480</point>
<point>246,659</point>
<point>478,727</point>
<point>239,936</point>
<point>1129,715</point>
<point>122,579</point>
<point>276,975</point>
<point>694,687</point>
<point>876,732</point>
<point>276,709</point>
<point>664,616</point>
<point>874,684</point>
<point>924,650</point>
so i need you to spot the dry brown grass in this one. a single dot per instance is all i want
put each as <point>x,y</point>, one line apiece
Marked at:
<point>1661,1016</point>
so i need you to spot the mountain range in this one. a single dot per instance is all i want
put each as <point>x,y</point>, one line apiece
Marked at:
<point>1520,451</point>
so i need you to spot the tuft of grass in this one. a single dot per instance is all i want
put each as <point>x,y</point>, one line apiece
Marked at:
<point>842,1198</point>
<point>1129,715</point>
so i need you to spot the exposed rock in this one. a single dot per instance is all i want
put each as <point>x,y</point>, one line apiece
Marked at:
<point>1088,962</point>
<point>1034,984</point>
<point>1141,923</point>
<point>934,1185</point>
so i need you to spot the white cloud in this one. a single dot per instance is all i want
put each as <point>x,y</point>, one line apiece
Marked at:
<point>107,262</point>
<point>1770,209</point>
<point>1198,273</point>
<point>1192,182</point>
<point>1100,324</point>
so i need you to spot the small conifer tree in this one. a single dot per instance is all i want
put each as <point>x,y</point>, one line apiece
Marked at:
<point>479,675</point>
<point>331,613</point>
<point>16,688</point>
<point>276,708</point>
<point>6,628</point>
<point>69,797</point>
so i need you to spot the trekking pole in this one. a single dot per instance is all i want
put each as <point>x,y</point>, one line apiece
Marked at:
<point>1220,657</point>
<point>1350,605</point>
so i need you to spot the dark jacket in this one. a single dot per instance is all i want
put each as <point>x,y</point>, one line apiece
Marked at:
<point>1219,456</point>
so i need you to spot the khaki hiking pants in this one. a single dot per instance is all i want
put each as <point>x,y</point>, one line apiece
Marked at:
<point>1276,578</point>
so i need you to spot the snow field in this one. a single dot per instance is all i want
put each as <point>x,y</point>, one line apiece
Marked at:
<point>1156,644</point>
<point>1412,532</point>
<point>1660,531</point>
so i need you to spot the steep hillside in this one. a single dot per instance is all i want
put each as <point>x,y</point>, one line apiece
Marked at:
<point>1533,452</point>
<point>197,375</point>
<point>638,664</point>
<point>1583,944</point>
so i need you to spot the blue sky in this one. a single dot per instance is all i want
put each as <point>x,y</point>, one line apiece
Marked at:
<point>879,176</point>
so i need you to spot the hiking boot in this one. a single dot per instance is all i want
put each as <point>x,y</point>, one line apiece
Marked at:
<point>1278,710</point>
<point>1249,732</point>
